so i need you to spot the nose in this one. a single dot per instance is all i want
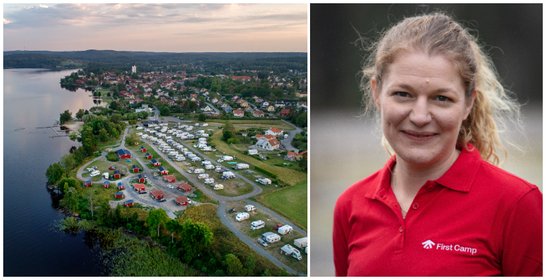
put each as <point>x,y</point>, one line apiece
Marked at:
<point>420,114</point>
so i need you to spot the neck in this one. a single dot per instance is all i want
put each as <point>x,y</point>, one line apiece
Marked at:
<point>408,178</point>
<point>407,172</point>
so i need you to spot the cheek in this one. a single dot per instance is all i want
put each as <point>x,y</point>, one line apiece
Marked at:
<point>393,114</point>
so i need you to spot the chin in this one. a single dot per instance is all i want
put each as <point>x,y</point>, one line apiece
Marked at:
<point>421,156</point>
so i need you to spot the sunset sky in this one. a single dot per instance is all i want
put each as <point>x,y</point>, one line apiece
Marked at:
<point>156,27</point>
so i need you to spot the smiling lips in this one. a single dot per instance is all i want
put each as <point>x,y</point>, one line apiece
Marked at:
<point>418,135</point>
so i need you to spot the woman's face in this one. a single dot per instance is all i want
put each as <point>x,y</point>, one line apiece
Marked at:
<point>422,104</point>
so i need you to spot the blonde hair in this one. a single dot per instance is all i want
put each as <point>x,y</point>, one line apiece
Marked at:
<point>439,34</point>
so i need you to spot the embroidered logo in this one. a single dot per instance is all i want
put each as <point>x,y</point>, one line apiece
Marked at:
<point>428,244</point>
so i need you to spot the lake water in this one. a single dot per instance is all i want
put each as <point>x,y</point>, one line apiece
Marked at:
<point>33,99</point>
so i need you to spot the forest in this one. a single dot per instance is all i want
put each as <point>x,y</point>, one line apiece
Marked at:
<point>98,61</point>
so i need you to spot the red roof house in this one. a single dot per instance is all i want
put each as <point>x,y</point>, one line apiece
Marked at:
<point>135,169</point>
<point>285,112</point>
<point>148,156</point>
<point>181,200</point>
<point>139,188</point>
<point>169,178</point>
<point>185,187</point>
<point>143,149</point>
<point>157,194</point>
<point>141,179</point>
<point>239,113</point>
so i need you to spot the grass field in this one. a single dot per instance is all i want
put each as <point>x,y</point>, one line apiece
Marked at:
<point>241,124</point>
<point>286,175</point>
<point>290,202</point>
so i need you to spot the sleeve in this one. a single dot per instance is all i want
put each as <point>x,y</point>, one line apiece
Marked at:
<point>522,240</point>
<point>340,232</point>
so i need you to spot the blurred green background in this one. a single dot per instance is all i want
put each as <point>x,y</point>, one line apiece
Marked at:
<point>345,147</point>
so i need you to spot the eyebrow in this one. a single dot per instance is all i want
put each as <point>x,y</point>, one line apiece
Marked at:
<point>410,88</point>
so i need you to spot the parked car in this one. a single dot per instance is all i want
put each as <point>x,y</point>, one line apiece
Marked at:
<point>263,242</point>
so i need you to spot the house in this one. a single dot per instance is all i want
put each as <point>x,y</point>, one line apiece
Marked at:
<point>258,114</point>
<point>121,186</point>
<point>274,131</point>
<point>185,187</point>
<point>285,112</point>
<point>181,200</point>
<point>139,188</point>
<point>155,162</point>
<point>169,178</point>
<point>106,184</point>
<point>143,149</point>
<point>270,108</point>
<point>252,152</point>
<point>292,156</point>
<point>135,168</point>
<point>238,113</point>
<point>119,195</point>
<point>157,194</point>
<point>117,174</point>
<point>123,154</point>
<point>148,156</point>
<point>163,171</point>
<point>128,203</point>
<point>243,79</point>
<point>269,145</point>
<point>141,179</point>
<point>87,184</point>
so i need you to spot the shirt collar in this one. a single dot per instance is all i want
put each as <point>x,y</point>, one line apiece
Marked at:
<point>458,177</point>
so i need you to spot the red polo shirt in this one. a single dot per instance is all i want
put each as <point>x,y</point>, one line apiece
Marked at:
<point>475,220</point>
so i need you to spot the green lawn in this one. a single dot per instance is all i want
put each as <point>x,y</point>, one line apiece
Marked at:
<point>286,175</point>
<point>290,202</point>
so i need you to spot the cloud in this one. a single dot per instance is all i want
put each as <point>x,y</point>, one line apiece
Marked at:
<point>95,23</point>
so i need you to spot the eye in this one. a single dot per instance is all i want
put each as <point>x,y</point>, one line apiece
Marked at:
<point>401,94</point>
<point>442,98</point>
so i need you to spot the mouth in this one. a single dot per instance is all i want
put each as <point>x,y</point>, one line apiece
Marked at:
<point>419,135</point>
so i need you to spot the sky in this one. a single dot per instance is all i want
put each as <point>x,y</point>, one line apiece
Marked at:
<point>156,27</point>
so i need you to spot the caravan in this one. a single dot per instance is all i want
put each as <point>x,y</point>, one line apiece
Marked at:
<point>257,225</point>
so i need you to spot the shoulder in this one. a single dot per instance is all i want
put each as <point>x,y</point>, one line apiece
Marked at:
<point>359,191</point>
<point>505,184</point>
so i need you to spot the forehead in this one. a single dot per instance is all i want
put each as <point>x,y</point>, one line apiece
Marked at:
<point>416,66</point>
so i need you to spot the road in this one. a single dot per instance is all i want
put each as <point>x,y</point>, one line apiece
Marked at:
<point>287,142</point>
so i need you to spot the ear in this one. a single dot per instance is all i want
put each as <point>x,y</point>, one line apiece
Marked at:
<point>375,92</point>
<point>470,104</point>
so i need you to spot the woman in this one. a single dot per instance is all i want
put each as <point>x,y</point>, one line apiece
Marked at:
<point>440,206</point>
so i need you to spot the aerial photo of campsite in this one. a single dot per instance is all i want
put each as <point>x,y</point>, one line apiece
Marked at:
<point>175,154</point>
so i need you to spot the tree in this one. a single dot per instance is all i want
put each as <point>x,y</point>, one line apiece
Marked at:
<point>131,140</point>
<point>54,173</point>
<point>173,226</point>
<point>228,131</point>
<point>79,114</point>
<point>70,199</point>
<point>68,162</point>
<point>234,266</point>
<point>65,117</point>
<point>202,117</point>
<point>114,106</point>
<point>196,237</point>
<point>156,218</point>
